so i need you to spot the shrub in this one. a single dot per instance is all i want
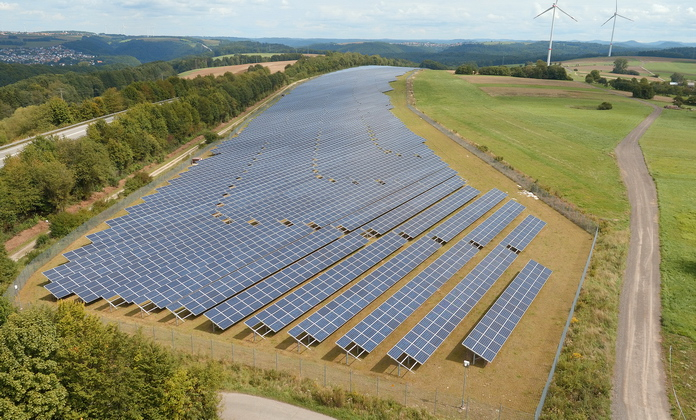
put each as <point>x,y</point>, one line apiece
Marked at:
<point>42,240</point>
<point>210,137</point>
<point>604,105</point>
<point>139,180</point>
<point>63,223</point>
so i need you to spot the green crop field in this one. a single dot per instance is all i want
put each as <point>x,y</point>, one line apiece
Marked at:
<point>666,68</point>
<point>556,136</point>
<point>670,150</point>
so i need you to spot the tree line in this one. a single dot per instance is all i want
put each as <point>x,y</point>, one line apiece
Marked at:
<point>540,70</point>
<point>193,63</point>
<point>63,363</point>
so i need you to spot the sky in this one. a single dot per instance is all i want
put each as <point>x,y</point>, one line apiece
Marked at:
<point>653,20</point>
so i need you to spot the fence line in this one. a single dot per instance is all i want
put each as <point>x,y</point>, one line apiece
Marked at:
<point>324,374</point>
<point>561,342</point>
<point>569,211</point>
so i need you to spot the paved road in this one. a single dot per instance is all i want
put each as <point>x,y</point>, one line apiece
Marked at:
<point>639,375</point>
<point>249,407</point>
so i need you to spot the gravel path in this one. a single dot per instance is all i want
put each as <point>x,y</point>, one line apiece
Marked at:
<point>639,375</point>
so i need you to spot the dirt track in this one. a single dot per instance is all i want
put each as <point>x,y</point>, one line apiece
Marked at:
<point>639,375</point>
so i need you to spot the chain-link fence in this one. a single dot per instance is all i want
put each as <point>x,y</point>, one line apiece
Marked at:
<point>444,404</point>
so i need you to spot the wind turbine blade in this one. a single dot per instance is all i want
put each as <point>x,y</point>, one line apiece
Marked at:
<point>613,16</point>
<point>566,13</point>
<point>543,12</point>
<point>624,17</point>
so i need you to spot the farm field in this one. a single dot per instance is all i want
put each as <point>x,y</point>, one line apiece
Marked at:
<point>561,246</point>
<point>552,132</point>
<point>646,66</point>
<point>273,66</point>
<point>670,150</point>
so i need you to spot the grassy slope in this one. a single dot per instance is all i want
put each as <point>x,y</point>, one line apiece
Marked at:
<point>532,134</point>
<point>581,169</point>
<point>670,150</point>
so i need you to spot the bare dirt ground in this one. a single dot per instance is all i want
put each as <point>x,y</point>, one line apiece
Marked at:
<point>273,66</point>
<point>639,375</point>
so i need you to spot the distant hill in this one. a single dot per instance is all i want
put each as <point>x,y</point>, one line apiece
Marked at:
<point>144,49</point>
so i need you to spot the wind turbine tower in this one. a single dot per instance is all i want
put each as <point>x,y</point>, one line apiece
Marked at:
<point>553,20</point>
<point>614,16</point>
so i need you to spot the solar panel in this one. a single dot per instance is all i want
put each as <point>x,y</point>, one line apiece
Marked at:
<point>371,331</point>
<point>291,307</point>
<point>453,226</point>
<point>496,326</point>
<point>416,347</point>
<point>337,312</point>
<point>439,211</point>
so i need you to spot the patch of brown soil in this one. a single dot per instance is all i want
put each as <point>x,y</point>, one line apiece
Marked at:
<point>25,236</point>
<point>274,67</point>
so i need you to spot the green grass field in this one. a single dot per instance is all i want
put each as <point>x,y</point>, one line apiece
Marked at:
<point>564,142</point>
<point>670,150</point>
<point>666,68</point>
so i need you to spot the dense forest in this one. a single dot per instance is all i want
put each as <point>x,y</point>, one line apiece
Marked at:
<point>64,364</point>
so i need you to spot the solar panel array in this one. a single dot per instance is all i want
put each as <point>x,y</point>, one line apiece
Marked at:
<point>416,347</point>
<point>280,314</point>
<point>337,312</point>
<point>493,330</point>
<point>249,301</point>
<point>371,331</point>
<point>323,154</point>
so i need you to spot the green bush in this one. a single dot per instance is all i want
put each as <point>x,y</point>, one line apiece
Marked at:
<point>63,223</point>
<point>604,105</point>
<point>139,180</point>
<point>210,137</point>
<point>42,240</point>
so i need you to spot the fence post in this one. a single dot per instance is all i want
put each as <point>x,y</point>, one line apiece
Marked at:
<point>232,352</point>
<point>191,343</point>
<point>435,410</point>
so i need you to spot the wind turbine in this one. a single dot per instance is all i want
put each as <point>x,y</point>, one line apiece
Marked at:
<point>553,19</point>
<point>616,13</point>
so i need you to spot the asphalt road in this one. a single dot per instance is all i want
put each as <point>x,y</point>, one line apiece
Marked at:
<point>639,374</point>
<point>248,407</point>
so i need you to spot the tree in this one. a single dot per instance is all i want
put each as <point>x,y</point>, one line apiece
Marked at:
<point>620,66</point>
<point>595,75</point>
<point>643,90</point>
<point>604,106</point>
<point>56,182</point>
<point>468,68</point>
<point>8,272</point>
<point>29,383</point>
<point>677,78</point>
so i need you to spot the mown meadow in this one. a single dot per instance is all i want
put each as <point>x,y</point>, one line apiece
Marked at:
<point>670,151</point>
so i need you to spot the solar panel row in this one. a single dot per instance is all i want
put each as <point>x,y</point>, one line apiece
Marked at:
<point>371,331</point>
<point>493,330</point>
<point>244,304</point>
<point>280,314</point>
<point>416,347</point>
<point>337,312</point>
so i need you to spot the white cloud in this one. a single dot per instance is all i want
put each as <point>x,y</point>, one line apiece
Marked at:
<point>8,6</point>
